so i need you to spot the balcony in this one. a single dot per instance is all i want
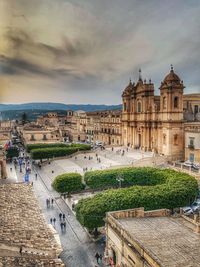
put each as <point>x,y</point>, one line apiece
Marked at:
<point>191,146</point>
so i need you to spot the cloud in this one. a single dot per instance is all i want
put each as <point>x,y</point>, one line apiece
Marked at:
<point>80,48</point>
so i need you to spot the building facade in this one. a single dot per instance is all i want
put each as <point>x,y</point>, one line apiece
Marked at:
<point>33,133</point>
<point>5,131</point>
<point>109,128</point>
<point>100,126</point>
<point>156,123</point>
<point>192,141</point>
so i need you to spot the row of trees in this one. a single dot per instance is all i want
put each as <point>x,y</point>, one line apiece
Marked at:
<point>129,176</point>
<point>150,188</point>
<point>162,189</point>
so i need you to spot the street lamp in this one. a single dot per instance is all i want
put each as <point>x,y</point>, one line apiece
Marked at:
<point>120,179</point>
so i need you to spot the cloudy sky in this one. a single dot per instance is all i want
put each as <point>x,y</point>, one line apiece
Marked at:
<point>85,51</point>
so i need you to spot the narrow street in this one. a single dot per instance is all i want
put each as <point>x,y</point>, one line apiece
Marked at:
<point>78,249</point>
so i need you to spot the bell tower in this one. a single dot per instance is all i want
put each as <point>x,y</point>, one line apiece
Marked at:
<point>171,115</point>
<point>126,112</point>
<point>171,97</point>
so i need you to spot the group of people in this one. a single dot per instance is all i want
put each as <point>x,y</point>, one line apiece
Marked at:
<point>121,151</point>
<point>98,158</point>
<point>90,158</point>
<point>85,169</point>
<point>62,222</point>
<point>49,202</point>
<point>53,221</point>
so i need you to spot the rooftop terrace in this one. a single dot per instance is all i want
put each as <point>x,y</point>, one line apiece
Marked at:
<point>172,241</point>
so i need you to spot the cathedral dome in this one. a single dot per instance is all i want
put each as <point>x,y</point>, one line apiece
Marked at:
<point>172,77</point>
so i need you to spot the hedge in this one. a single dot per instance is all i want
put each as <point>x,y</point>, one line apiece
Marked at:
<point>30,147</point>
<point>67,183</point>
<point>50,152</point>
<point>131,176</point>
<point>47,153</point>
<point>81,146</point>
<point>36,146</point>
<point>175,190</point>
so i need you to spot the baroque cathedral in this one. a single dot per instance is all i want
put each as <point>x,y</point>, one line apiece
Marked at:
<point>151,122</point>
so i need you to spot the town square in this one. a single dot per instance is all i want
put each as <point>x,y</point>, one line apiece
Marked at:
<point>99,133</point>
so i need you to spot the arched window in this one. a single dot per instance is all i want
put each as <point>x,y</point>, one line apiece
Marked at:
<point>176,102</point>
<point>164,102</point>
<point>139,107</point>
<point>125,106</point>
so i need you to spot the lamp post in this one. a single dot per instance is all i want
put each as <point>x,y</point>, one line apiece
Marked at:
<point>120,179</point>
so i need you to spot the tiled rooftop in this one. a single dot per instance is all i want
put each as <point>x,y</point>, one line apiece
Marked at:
<point>22,225</point>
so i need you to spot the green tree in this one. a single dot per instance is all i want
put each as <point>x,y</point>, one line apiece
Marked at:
<point>67,183</point>
<point>12,152</point>
<point>152,189</point>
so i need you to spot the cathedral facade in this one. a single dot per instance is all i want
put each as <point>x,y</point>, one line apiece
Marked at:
<point>154,123</point>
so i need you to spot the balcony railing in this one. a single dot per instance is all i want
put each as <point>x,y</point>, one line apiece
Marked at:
<point>191,146</point>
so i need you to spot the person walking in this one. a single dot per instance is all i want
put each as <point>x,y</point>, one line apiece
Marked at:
<point>97,257</point>
<point>54,221</point>
<point>61,226</point>
<point>36,176</point>
<point>47,202</point>
<point>51,220</point>
<point>63,216</point>
<point>64,225</point>
<point>60,216</point>
<point>52,201</point>
<point>100,258</point>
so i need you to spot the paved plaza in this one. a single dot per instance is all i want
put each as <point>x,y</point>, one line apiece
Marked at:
<point>99,160</point>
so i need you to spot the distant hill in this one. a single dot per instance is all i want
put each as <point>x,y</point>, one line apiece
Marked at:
<point>33,110</point>
<point>56,106</point>
<point>31,114</point>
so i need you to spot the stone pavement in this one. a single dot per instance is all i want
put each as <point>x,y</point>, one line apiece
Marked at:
<point>11,172</point>
<point>108,159</point>
<point>78,248</point>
